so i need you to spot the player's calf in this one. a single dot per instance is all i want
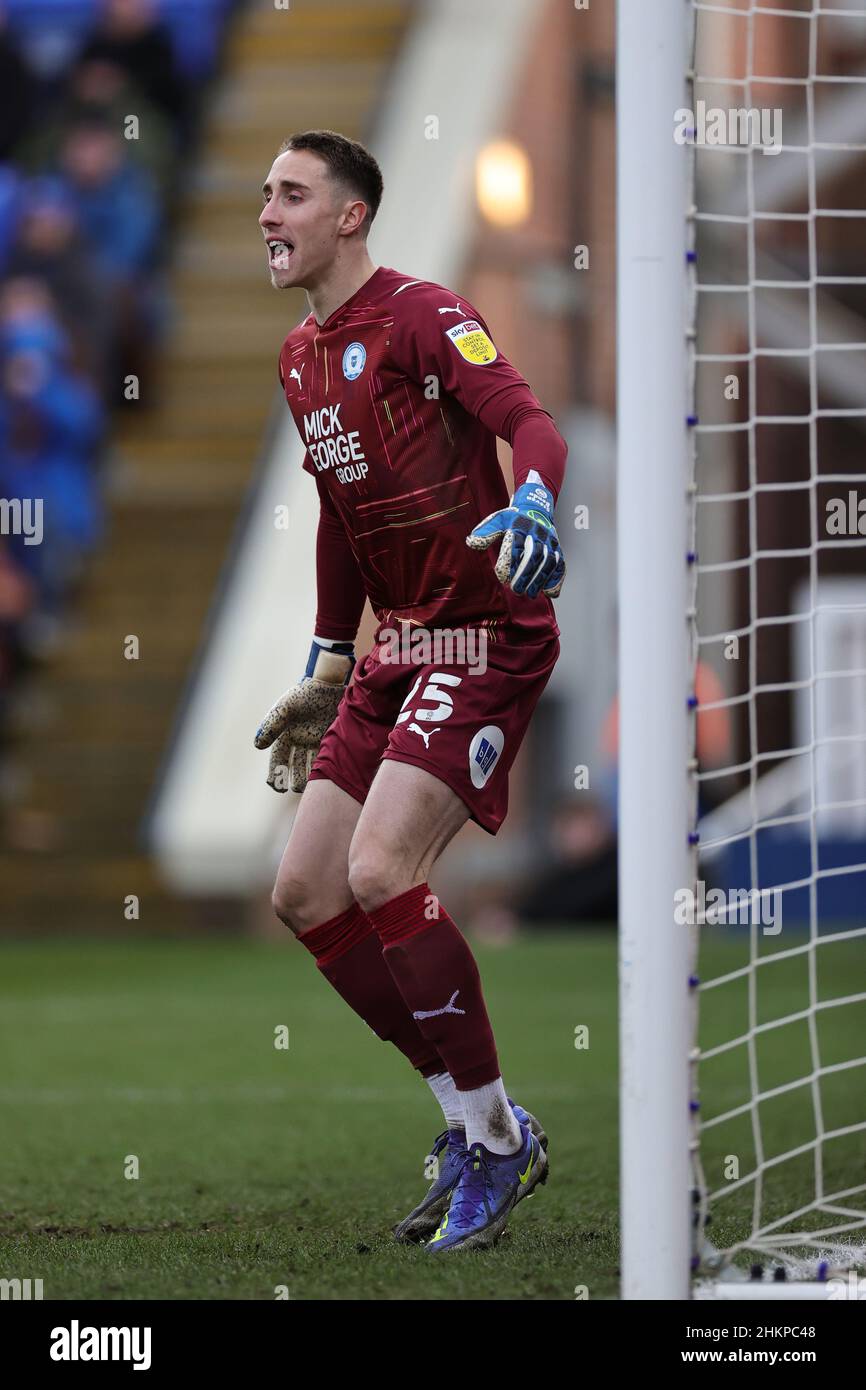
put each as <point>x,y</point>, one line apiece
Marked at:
<point>312,896</point>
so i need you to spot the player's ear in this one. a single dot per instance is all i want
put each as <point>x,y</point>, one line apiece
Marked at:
<point>354,215</point>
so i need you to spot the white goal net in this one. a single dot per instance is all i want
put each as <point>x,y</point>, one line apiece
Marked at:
<point>741,519</point>
<point>774,127</point>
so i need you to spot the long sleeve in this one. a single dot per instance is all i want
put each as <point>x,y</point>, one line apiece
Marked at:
<point>535,443</point>
<point>429,343</point>
<point>339,586</point>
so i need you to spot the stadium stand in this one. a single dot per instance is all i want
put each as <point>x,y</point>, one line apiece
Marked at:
<point>84,727</point>
<point>86,210</point>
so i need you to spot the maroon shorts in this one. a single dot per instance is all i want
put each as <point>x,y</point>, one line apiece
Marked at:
<point>461,722</point>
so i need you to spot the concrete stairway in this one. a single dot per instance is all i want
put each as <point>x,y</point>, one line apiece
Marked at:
<point>95,726</point>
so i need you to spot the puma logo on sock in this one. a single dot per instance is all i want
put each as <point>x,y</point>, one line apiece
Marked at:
<point>434,1013</point>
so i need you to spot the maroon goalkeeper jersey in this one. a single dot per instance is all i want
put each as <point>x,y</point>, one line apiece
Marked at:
<point>398,398</point>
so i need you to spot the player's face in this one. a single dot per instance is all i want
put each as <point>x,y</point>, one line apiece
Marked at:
<point>301,218</point>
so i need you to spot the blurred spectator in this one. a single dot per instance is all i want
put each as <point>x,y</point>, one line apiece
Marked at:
<point>49,247</point>
<point>116,203</point>
<point>119,214</point>
<point>580,882</point>
<point>51,427</point>
<point>102,89</point>
<point>576,885</point>
<point>17,92</point>
<point>130,35</point>
<point>16,601</point>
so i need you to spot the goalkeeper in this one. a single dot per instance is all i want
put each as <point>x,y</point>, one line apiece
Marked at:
<point>529,561</point>
<point>399,393</point>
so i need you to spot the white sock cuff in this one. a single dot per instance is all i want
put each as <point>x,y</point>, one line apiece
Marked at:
<point>448,1096</point>
<point>490,1120</point>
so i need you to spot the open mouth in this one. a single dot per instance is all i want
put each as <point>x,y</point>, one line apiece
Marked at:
<point>279,254</point>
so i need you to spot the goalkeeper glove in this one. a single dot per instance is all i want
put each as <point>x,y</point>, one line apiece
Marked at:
<point>530,557</point>
<point>300,718</point>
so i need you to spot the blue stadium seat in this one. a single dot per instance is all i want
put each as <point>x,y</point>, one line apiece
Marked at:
<point>53,10</point>
<point>51,31</point>
<point>195,27</point>
<point>10,188</point>
<point>74,15</point>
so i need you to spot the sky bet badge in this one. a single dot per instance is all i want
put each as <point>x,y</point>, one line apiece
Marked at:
<point>472,342</point>
<point>353,361</point>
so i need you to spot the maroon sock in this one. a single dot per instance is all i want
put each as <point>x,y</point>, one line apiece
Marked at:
<point>438,978</point>
<point>349,954</point>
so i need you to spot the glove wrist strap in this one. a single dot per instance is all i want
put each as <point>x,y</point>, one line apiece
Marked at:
<point>535,500</point>
<point>332,664</point>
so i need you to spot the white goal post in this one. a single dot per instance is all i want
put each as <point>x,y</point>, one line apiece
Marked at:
<point>741,409</point>
<point>652,522</point>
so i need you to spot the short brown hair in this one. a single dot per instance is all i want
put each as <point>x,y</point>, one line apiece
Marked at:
<point>349,163</point>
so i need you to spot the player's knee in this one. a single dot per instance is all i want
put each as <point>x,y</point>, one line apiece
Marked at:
<point>293,901</point>
<point>375,876</point>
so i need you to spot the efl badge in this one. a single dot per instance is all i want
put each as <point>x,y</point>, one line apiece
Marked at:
<point>484,753</point>
<point>472,342</point>
<point>353,361</point>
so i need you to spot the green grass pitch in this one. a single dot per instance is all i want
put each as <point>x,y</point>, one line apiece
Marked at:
<point>263,1167</point>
